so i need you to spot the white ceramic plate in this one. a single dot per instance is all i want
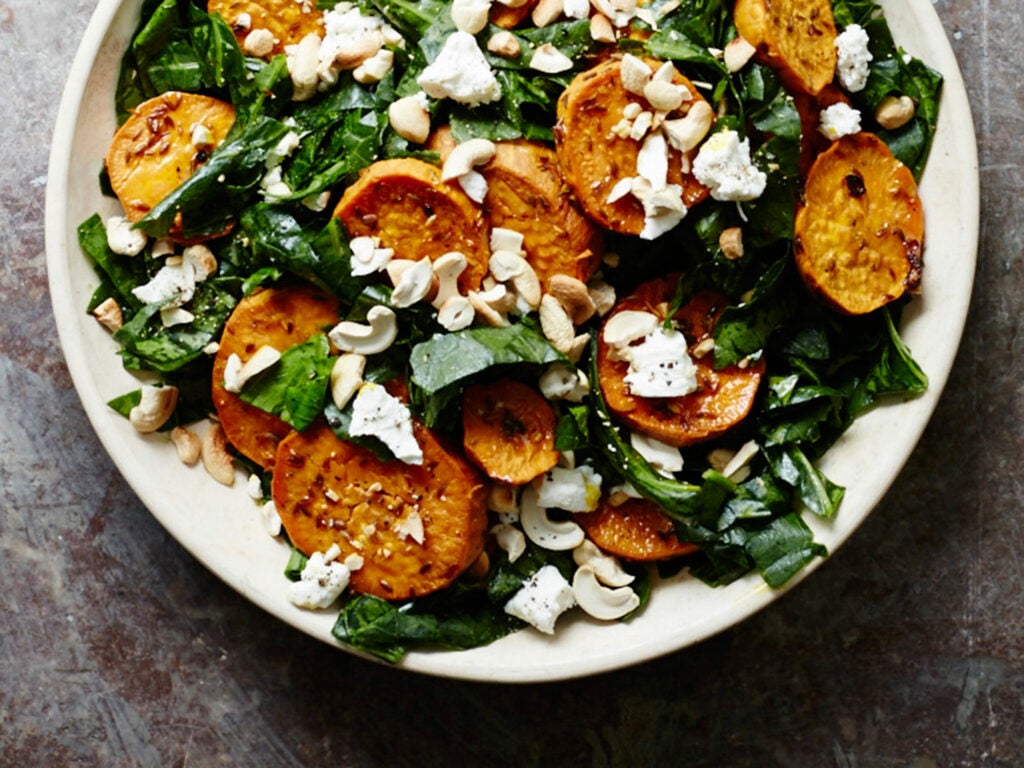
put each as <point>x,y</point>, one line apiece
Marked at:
<point>220,526</point>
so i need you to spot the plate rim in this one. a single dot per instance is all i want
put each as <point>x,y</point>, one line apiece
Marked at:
<point>747,597</point>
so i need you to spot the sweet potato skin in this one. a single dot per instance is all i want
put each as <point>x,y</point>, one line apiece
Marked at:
<point>404,202</point>
<point>724,397</point>
<point>508,430</point>
<point>328,491</point>
<point>153,152</point>
<point>279,317</point>
<point>794,37</point>
<point>526,193</point>
<point>593,160</point>
<point>859,229</point>
<point>634,530</point>
<point>287,20</point>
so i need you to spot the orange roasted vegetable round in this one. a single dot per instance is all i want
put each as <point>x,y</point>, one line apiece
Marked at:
<point>417,527</point>
<point>507,17</point>
<point>860,227</point>
<point>634,530</point>
<point>594,158</point>
<point>161,144</point>
<point>287,20</point>
<point>723,398</point>
<point>795,37</point>
<point>404,203</point>
<point>508,430</point>
<point>278,317</point>
<point>526,193</point>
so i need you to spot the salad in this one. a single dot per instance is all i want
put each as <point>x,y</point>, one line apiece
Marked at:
<point>512,309</point>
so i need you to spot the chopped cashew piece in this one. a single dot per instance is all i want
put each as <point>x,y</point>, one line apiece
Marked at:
<point>731,243</point>
<point>504,44</point>
<point>556,324</point>
<point>447,269</point>
<point>737,53</point>
<point>154,409</point>
<point>542,530</point>
<point>734,470</point>
<point>466,156</point>
<point>685,133</point>
<point>564,382</point>
<point>410,118</point>
<point>510,539</point>
<point>894,112</point>
<point>606,567</point>
<point>550,60</point>
<point>599,601</point>
<point>635,74</point>
<point>379,332</point>
<point>346,377</point>
<point>414,284</point>
<point>628,326</point>
<point>470,15</point>
<point>456,313</point>
<point>574,297</point>
<point>236,374</point>
<point>109,315</point>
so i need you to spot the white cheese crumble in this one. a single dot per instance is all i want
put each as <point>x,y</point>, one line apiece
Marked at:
<point>574,490</point>
<point>660,365</point>
<point>839,120</point>
<point>122,238</point>
<point>460,73</point>
<point>542,599</point>
<point>378,414</point>
<point>723,165</point>
<point>321,582</point>
<point>853,58</point>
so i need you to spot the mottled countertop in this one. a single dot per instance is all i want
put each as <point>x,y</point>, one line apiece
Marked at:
<point>906,649</point>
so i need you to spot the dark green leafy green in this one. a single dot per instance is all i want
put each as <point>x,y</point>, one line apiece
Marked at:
<point>295,388</point>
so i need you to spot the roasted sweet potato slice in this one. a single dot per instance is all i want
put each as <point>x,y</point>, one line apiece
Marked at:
<point>405,203</point>
<point>161,144</point>
<point>634,530</point>
<point>724,397</point>
<point>287,20</point>
<point>278,317</point>
<point>594,159</point>
<point>526,193</point>
<point>860,227</point>
<point>795,37</point>
<point>508,430</point>
<point>417,528</point>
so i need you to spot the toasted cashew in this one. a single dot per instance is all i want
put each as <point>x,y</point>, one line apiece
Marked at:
<point>374,68</point>
<point>346,377</point>
<point>216,459</point>
<point>545,12</point>
<point>628,326</point>
<point>510,539</point>
<point>456,313</point>
<point>601,29</point>
<point>556,324</point>
<point>737,53</point>
<point>563,382</point>
<point>600,601</point>
<point>574,297</point>
<point>414,284</point>
<point>466,156</point>
<point>603,296</point>
<point>894,112</point>
<point>447,269</point>
<point>108,314</point>
<point>527,286</point>
<point>379,332</point>
<point>606,567</point>
<point>410,119</point>
<point>358,50</point>
<point>470,15</point>
<point>550,60</point>
<point>504,44</point>
<point>187,444</point>
<point>154,409</point>
<point>485,310</point>
<point>202,259</point>
<point>543,531</point>
<point>635,74</point>
<point>685,133</point>
<point>502,498</point>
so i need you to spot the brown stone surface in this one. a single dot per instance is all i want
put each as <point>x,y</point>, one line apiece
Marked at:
<point>118,649</point>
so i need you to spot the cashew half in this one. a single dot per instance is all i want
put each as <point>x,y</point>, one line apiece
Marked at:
<point>154,409</point>
<point>379,332</point>
<point>187,444</point>
<point>414,284</point>
<point>574,297</point>
<point>510,539</point>
<point>606,567</point>
<point>556,324</point>
<point>447,269</point>
<point>216,459</point>
<point>346,376</point>
<point>109,315</point>
<point>600,601</point>
<point>685,133</point>
<point>466,156</point>
<point>542,530</point>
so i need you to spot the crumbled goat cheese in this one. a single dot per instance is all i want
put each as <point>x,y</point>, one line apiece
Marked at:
<point>839,120</point>
<point>377,413</point>
<point>460,73</point>
<point>853,59</point>
<point>542,599</point>
<point>724,166</point>
<point>574,490</point>
<point>660,366</point>
<point>321,582</point>
<point>122,238</point>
